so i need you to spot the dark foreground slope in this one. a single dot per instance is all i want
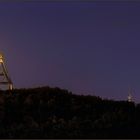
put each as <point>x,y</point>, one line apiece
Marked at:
<point>55,113</point>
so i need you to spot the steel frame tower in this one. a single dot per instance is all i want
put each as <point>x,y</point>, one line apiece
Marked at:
<point>5,80</point>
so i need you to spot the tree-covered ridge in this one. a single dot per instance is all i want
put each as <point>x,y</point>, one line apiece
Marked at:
<point>55,113</point>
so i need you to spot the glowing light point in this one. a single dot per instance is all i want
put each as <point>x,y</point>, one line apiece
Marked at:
<point>129,98</point>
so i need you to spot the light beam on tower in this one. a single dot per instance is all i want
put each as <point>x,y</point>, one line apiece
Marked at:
<point>5,79</point>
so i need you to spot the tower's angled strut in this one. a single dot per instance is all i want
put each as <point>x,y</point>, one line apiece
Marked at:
<point>4,77</point>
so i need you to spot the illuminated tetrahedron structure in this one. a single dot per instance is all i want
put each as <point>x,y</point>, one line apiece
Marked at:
<point>5,80</point>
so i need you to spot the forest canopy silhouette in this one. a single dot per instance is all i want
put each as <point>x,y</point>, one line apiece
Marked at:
<point>46,112</point>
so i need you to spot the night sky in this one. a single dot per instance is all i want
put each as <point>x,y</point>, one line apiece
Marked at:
<point>85,47</point>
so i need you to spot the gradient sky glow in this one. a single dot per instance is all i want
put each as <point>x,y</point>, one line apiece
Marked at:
<point>87,48</point>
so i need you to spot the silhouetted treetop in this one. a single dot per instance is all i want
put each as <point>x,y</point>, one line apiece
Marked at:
<point>46,112</point>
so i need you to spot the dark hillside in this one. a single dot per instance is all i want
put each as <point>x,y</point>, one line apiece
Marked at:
<point>55,113</point>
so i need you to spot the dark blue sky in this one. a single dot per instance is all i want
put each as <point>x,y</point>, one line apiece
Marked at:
<point>87,48</point>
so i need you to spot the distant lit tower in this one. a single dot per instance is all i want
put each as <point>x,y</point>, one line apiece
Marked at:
<point>130,98</point>
<point>4,77</point>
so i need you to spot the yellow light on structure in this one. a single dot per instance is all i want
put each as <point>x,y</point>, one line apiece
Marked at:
<point>1,58</point>
<point>5,79</point>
